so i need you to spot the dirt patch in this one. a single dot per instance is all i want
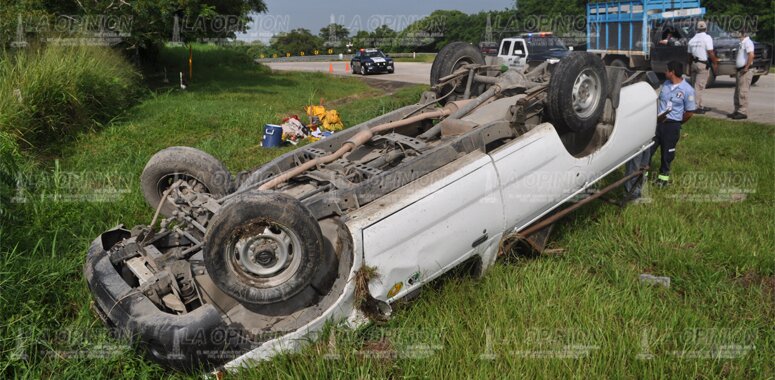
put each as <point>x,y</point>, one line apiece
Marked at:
<point>389,87</point>
<point>753,279</point>
<point>377,349</point>
<point>383,87</point>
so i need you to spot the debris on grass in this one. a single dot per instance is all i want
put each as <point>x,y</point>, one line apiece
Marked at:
<point>554,251</point>
<point>655,280</point>
<point>369,305</point>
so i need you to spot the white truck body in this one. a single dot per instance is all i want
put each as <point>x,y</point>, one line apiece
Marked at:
<point>492,194</point>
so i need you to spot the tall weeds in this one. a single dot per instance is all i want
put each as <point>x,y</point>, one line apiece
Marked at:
<point>52,93</point>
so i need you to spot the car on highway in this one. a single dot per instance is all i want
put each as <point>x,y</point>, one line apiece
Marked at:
<point>371,61</point>
<point>234,269</point>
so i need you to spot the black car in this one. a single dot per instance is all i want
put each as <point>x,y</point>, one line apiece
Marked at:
<point>368,61</point>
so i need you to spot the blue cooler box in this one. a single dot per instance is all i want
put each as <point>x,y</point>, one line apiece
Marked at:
<point>273,136</point>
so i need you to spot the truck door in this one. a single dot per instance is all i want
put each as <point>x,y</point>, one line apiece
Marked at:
<point>667,45</point>
<point>461,215</point>
<point>536,172</point>
<point>514,52</point>
<point>519,53</point>
<point>505,50</point>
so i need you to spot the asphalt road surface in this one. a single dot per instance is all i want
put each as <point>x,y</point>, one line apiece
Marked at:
<point>409,72</point>
<point>719,97</point>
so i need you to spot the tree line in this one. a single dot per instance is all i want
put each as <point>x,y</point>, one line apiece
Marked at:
<point>153,22</point>
<point>566,18</point>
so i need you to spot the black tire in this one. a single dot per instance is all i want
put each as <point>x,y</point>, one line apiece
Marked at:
<point>363,69</point>
<point>618,62</point>
<point>616,76</point>
<point>449,59</point>
<point>352,68</point>
<point>254,218</point>
<point>579,76</point>
<point>755,79</point>
<point>205,172</point>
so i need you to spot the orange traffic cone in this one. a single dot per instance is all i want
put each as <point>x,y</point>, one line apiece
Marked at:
<point>346,67</point>
<point>330,67</point>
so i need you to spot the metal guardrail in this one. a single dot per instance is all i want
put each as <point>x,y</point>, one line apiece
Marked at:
<point>306,58</point>
<point>333,57</point>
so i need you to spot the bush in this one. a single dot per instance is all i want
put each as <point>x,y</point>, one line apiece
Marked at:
<point>9,161</point>
<point>57,92</point>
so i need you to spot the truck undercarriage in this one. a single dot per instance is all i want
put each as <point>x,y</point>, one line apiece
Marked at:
<point>219,271</point>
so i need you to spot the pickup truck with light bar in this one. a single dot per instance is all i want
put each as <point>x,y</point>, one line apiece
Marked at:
<point>531,49</point>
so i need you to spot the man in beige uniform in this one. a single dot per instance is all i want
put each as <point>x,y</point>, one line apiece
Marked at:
<point>744,76</point>
<point>701,49</point>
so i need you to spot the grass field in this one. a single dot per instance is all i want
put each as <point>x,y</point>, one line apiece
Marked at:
<point>579,312</point>
<point>425,58</point>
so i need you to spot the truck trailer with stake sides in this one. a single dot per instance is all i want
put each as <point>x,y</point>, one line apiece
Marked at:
<point>634,34</point>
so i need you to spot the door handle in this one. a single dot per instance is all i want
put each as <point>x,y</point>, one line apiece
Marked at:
<point>480,240</point>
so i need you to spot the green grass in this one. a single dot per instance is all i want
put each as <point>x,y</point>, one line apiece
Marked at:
<point>719,255</point>
<point>424,58</point>
<point>55,93</point>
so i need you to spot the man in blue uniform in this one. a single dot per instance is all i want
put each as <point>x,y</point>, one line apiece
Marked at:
<point>675,106</point>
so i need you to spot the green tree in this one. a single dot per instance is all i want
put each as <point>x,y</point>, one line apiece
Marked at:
<point>296,41</point>
<point>383,37</point>
<point>758,15</point>
<point>362,39</point>
<point>334,35</point>
<point>150,21</point>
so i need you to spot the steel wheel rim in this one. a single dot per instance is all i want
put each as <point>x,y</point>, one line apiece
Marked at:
<point>268,258</point>
<point>462,61</point>
<point>586,93</point>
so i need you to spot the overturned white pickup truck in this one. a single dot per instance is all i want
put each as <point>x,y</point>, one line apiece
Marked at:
<point>339,229</point>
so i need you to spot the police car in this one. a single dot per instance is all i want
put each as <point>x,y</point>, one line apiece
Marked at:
<point>367,61</point>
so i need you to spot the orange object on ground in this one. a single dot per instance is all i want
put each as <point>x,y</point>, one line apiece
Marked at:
<point>347,67</point>
<point>330,67</point>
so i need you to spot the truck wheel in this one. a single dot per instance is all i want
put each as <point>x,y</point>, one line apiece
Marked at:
<point>755,79</point>
<point>363,69</point>
<point>618,63</point>
<point>202,171</point>
<point>451,58</point>
<point>263,248</point>
<point>577,92</point>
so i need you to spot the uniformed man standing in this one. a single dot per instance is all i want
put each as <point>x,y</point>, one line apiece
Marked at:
<point>744,76</point>
<point>676,106</point>
<point>701,49</point>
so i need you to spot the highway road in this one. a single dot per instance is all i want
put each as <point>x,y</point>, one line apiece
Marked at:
<point>719,97</point>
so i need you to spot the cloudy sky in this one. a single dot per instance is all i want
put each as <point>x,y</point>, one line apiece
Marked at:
<point>285,15</point>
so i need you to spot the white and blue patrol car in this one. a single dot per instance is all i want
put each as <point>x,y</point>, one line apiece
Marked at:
<point>368,61</point>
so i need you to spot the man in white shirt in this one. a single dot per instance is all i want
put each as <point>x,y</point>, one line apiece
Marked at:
<point>701,49</point>
<point>744,76</point>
